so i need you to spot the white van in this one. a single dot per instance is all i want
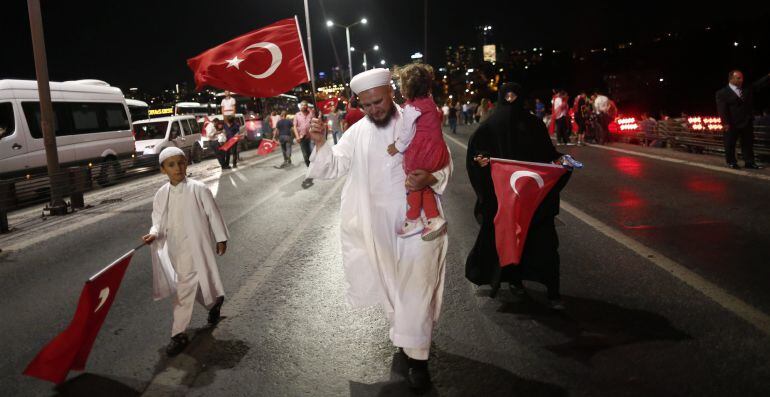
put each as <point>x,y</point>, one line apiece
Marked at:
<point>139,110</point>
<point>91,123</point>
<point>154,135</point>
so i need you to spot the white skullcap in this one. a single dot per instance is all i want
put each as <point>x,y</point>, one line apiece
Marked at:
<point>369,79</point>
<point>170,152</point>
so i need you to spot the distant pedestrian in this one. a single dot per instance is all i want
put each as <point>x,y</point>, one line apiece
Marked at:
<point>561,119</point>
<point>283,132</point>
<point>452,119</point>
<point>735,105</point>
<point>352,114</point>
<point>232,128</point>
<point>334,118</point>
<point>301,127</point>
<point>216,139</point>
<point>580,111</point>
<point>539,109</point>
<point>466,113</point>
<point>482,111</point>
<point>275,117</point>
<point>228,105</point>
<point>601,111</point>
<point>187,233</point>
<point>445,113</point>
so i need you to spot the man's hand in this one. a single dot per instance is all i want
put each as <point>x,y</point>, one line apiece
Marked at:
<point>392,149</point>
<point>481,160</point>
<point>149,238</point>
<point>317,132</point>
<point>419,179</point>
<point>221,248</point>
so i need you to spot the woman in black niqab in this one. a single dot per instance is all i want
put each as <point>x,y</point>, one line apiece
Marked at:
<point>511,132</point>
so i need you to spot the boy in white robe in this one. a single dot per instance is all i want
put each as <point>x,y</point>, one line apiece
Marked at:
<point>186,222</point>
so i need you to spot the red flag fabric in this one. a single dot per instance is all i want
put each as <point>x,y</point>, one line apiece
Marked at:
<point>230,143</point>
<point>266,146</point>
<point>327,106</point>
<point>262,63</point>
<point>520,187</point>
<point>69,350</point>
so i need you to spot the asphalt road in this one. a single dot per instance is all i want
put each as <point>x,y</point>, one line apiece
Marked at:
<point>630,328</point>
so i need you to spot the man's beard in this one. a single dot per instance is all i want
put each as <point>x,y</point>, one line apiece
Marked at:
<point>385,120</point>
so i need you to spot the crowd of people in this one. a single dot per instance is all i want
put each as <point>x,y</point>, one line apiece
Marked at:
<point>591,115</point>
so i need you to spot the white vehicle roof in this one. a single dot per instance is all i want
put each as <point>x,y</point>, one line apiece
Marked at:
<point>188,104</point>
<point>11,84</point>
<point>136,102</point>
<point>88,82</point>
<point>167,118</point>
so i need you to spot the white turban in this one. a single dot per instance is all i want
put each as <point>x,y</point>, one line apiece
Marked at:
<point>369,79</point>
<point>170,152</point>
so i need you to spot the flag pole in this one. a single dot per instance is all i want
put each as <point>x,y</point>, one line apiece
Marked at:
<point>310,53</point>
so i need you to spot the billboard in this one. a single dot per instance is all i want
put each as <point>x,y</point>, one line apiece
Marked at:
<point>489,53</point>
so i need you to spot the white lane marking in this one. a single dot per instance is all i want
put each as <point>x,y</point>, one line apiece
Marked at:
<point>169,381</point>
<point>723,298</point>
<point>31,238</point>
<point>737,306</point>
<point>686,162</point>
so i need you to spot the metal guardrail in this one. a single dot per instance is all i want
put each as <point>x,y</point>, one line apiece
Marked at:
<point>679,134</point>
<point>35,188</point>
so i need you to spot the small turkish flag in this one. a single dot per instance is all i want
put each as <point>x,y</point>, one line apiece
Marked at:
<point>262,63</point>
<point>520,187</point>
<point>70,349</point>
<point>328,105</point>
<point>230,143</point>
<point>266,147</point>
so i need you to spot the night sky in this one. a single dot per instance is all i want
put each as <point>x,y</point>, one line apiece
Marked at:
<point>146,43</point>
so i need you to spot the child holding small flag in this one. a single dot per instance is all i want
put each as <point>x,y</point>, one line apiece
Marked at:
<point>187,226</point>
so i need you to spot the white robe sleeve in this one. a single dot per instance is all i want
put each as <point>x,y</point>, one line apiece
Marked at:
<point>442,176</point>
<point>409,127</point>
<point>217,222</point>
<point>332,161</point>
<point>158,207</point>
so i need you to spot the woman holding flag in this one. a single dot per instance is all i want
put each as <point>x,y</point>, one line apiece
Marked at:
<point>512,133</point>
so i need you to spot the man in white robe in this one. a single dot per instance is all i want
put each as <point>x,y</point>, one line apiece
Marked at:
<point>404,275</point>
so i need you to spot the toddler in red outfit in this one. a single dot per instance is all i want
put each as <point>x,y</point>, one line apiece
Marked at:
<point>421,141</point>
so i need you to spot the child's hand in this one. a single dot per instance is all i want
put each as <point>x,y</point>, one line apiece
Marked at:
<point>392,149</point>
<point>149,238</point>
<point>221,248</point>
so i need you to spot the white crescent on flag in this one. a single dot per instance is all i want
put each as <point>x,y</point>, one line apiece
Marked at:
<point>275,54</point>
<point>523,174</point>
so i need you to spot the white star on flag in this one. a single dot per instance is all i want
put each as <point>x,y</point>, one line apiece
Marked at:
<point>234,62</point>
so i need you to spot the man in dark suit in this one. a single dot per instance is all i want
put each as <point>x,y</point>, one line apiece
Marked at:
<point>736,109</point>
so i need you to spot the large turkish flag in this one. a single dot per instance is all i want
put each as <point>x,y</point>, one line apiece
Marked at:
<point>520,187</point>
<point>262,63</point>
<point>266,146</point>
<point>70,349</point>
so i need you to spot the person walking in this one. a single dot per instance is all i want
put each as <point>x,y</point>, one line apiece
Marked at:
<point>511,132</point>
<point>403,275</point>
<point>301,127</point>
<point>581,116</point>
<point>452,118</point>
<point>735,104</point>
<point>334,118</point>
<point>232,128</point>
<point>283,132</point>
<point>228,105</point>
<point>561,118</point>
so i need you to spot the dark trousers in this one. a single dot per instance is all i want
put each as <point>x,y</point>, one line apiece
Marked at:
<point>746,135</point>
<point>232,153</point>
<point>286,144</point>
<point>304,145</point>
<point>562,128</point>
<point>453,125</point>
<point>220,155</point>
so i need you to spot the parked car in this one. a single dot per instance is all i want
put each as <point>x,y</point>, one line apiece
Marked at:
<point>154,135</point>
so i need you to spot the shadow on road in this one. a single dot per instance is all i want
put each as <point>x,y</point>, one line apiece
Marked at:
<point>204,357</point>
<point>593,326</point>
<point>94,385</point>
<point>457,376</point>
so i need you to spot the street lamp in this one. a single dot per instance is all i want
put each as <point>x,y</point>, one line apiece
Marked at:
<point>330,23</point>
